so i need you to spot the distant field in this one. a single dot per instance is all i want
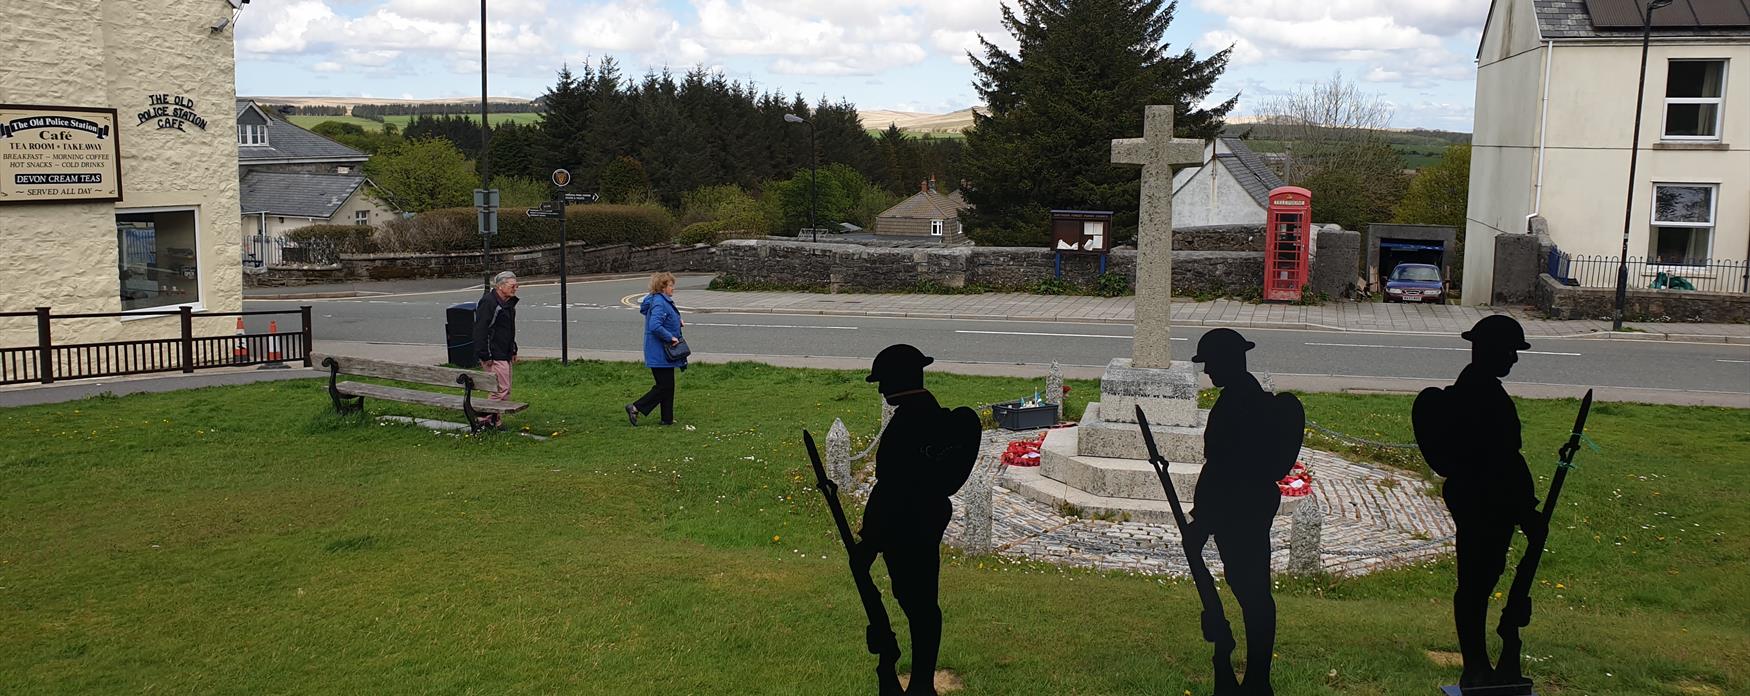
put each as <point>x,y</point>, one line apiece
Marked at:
<point>402,121</point>
<point>914,135</point>
<point>1416,155</point>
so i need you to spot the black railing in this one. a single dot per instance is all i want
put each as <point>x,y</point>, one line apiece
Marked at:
<point>48,361</point>
<point>261,251</point>
<point>1708,275</point>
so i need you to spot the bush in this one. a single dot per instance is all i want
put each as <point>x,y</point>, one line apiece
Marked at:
<point>444,229</point>
<point>457,229</point>
<point>1111,284</point>
<point>347,239</point>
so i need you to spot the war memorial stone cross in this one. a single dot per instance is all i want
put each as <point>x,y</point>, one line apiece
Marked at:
<point>1158,152</point>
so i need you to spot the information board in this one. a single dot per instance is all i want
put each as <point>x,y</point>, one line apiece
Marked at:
<point>58,154</point>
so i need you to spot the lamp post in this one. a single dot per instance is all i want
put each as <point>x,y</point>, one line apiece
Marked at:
<point>485,152</point>
<point>1634,153</point>
<point>814,163</point>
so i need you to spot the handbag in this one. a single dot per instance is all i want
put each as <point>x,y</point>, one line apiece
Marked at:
<point>677,352</point>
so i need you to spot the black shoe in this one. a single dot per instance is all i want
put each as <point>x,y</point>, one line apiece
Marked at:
<point>666,423</point>
<point>632,414</point>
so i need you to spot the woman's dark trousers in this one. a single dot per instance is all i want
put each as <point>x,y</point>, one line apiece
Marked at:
<point>662,394</point>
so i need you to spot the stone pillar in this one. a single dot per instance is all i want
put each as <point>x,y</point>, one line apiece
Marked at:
<point>1054,388</point>
<point>838,454</point>
<point>975,531</point>
<point>1304,537</point>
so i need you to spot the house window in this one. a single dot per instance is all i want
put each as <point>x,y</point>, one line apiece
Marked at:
<point>251,134</point>
<point>158,259</point>
<point>362,217</point>
<point>1683,223</point>
<point>935,228</point>
<point>1694,95</point>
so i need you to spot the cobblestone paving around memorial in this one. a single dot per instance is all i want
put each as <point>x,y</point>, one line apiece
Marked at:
<point>1375,518</point>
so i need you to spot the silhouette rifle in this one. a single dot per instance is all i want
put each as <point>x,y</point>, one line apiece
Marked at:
<point>1215,626</point>
<point>879,634</point>
<point>1517,613</point>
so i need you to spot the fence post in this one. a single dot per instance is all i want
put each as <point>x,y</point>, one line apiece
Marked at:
<point>304,310</point>
<point>45,356</point>
<point>187,315</point>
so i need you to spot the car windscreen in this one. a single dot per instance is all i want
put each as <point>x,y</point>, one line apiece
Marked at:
<point>1424,273</point>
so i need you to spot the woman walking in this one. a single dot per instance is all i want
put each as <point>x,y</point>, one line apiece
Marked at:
<point>664,349</point>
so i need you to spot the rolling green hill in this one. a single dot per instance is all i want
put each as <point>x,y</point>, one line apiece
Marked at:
<point>402,121</point>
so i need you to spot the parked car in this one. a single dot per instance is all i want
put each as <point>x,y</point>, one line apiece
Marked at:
<point>1415,282</point>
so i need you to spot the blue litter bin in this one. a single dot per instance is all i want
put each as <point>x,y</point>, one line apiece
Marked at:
<point>459,335</point>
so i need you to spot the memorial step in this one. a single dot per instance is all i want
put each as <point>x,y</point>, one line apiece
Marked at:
<point>1099,437</point>
<point>1030,483</point>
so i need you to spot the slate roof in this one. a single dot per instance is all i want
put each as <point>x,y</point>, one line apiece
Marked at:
<point>297,195</point>
<point>928,205</point>
<point>1569,19</point>
<point>1256,177</point>
<point>286,141</point>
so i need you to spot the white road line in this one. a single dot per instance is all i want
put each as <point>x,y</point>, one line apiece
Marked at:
<point>1733,361</point>
<point>1375,345</point>
<point>1055,335</point>
<point>775,326</point>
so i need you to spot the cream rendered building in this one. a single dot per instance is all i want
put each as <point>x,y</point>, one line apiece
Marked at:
<point>173,237</point>
<point>1554,107</point>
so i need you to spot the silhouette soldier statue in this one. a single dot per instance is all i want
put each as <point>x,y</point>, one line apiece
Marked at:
<point>925,455</point>
<point>1251,441</point>
<point>1469,433</point>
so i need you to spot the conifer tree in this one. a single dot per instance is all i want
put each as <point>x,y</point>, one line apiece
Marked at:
<point>1084,72</point>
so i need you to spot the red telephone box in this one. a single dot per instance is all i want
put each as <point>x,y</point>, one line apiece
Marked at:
<point>1285,253</point>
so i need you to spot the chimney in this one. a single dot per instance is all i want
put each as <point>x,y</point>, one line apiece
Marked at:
<point>923,186</point>
<point>932,183</point>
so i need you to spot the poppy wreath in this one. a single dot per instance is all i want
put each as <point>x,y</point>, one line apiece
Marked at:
<point>1023,452</point>
<point>1297,483</point>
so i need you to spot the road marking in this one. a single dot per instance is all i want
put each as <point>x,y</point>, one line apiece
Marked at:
<point>775,326</point>
<point>1055,335</point>
<point>1734,361</point>
<point>1376,345</point>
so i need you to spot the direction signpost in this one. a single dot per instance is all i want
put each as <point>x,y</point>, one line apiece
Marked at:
<point>561,179</point>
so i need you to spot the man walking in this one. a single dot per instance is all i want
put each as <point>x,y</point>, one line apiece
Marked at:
<point>925,455</point>
<point>1251,441</point>
<point>495,336</point>
<point>1469,433</point>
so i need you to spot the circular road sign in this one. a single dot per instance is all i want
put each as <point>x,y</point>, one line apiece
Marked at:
<point>561,178</point>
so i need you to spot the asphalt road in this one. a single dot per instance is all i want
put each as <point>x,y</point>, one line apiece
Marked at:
<point>599,321</point>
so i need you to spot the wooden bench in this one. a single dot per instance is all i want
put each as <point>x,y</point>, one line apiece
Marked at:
<point>349,397</point>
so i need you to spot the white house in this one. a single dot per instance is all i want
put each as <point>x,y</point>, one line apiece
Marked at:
<point>1232,187</point>
<point>291,177</point>
<point>1555,105</point>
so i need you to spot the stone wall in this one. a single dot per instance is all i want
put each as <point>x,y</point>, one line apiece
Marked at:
<point>856,268</point>
<point>1219,238</point>
<point>1519,260</point>
<point>1336,261</point>
<point>1559,301</point>
<point>525,261</point>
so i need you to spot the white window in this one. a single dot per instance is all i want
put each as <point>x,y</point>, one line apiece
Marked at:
<point>362,217</point>
<point>251,134</point>
<point>1694,99</point>
<point>1683,224</point>
<point>935,228</point>
<point>157,253</point>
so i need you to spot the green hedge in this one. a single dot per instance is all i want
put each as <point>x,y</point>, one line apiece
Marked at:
<point>348,239</point>
<point>457,229</point>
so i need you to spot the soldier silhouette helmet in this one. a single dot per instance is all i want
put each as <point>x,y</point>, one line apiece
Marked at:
<point>1220,343</point>
<point>899,361</point>
<point>1497,331</point>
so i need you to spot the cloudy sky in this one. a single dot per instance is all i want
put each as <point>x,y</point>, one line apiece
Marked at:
<point>907,55</point>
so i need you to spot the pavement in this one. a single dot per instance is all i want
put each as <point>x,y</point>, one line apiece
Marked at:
<point>1340,316</point>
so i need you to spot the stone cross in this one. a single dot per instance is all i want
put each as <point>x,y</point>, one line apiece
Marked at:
<point>1158,152</point>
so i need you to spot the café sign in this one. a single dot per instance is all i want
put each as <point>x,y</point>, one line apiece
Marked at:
<point>52,154</point>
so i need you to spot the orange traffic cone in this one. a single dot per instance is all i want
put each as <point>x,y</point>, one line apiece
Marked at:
<point>240,352</point>
<point>274,358</point>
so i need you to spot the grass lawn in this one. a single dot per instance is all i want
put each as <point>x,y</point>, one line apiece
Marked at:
<point>244,540</point>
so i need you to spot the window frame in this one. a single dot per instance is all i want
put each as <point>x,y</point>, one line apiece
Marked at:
<point>361,216</point>
<point>251,128</point>
<point>937,227</point>
<point>200,266</point>
<point>1654,223</point>
<point>1718,102</point>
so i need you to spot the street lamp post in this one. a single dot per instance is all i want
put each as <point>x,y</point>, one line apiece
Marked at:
<point>485,153</point>
<point>814,163</point>
<point>1634,152</point>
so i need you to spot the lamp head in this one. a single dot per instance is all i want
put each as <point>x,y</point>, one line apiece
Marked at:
<point>793,118</point>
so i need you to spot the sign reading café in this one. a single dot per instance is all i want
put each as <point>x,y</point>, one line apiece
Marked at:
<point>58,154</point>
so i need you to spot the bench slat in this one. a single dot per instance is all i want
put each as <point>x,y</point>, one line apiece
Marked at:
<point>402,372</point>
<point>414,396</point>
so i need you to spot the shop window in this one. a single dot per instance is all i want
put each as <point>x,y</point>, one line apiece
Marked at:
<point>1694,95</point>
<point>158,259</point>
<point>1683,223</point>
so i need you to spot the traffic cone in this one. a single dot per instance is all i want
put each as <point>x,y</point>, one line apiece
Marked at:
<point>274,358</point>
<point>240,352</point>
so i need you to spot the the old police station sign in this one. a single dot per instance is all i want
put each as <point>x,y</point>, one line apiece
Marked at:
<point>58,153</point>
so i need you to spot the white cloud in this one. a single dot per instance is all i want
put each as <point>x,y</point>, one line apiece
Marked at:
<point>1392,40</point>
<point>638,26</point>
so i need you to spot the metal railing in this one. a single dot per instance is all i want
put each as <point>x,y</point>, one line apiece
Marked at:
<point>261,251</point>
<point>48,361</point>
<point>1706,275</point>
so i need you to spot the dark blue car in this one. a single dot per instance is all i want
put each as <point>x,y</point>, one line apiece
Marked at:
<point>1415,282</point>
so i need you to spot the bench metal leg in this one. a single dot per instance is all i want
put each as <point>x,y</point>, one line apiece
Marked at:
<point>468,411</point>
<point>341,405</point>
